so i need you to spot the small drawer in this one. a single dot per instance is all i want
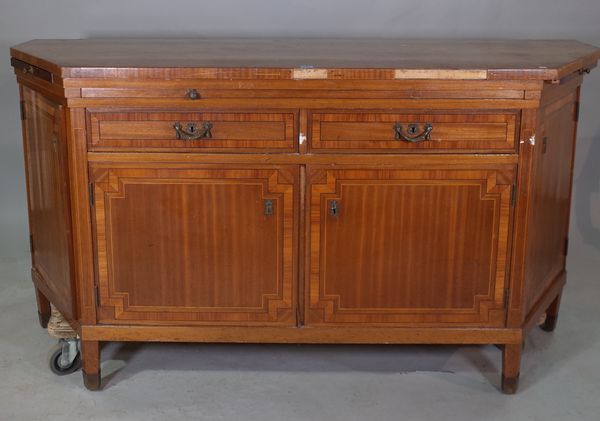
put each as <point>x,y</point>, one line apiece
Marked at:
<point>208,131</point>
<point>389,132</point>
<point>24,68</point>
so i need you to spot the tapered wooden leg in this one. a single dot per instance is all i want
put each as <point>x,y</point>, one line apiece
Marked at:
<point>90,354</point>
<point>552,315</point>
<point>44,309</point>
<point>511,367</point>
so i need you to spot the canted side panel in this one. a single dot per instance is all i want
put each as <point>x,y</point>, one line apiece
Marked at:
<point>49,219</point>
<point>194,245</point>
<point>427,247</point>
<point>550,202</point>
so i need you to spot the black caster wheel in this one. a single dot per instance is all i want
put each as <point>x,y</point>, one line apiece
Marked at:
<point>62,366</point>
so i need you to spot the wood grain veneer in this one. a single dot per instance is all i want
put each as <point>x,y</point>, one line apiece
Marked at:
<point>277,58</point>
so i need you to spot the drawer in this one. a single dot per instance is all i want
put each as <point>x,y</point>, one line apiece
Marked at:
<point>387,132</point>
<point>209,131</point>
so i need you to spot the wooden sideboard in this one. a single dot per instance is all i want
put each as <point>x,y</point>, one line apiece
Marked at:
<point>306,191</point>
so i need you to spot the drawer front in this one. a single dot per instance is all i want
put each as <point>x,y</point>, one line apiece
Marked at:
<point>208,131</point>
<point>387,132</point>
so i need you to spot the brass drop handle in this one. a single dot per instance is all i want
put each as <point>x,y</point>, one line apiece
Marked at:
<point>192,132</point>
<point>413,135</point>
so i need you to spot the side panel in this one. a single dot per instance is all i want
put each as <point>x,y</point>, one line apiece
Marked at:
<point>48,198</point>
<point>550,194</point>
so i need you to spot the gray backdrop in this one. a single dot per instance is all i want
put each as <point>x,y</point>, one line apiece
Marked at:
<point>27,19</point>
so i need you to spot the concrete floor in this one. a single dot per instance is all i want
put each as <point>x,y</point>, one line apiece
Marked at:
<point>560,377</point>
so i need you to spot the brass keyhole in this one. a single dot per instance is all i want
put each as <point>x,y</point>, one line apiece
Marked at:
<point>192,128</point>
<point>268,207</point>
<point>413,129</point>
<point>334,208</point>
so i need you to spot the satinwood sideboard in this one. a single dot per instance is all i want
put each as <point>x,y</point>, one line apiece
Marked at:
<point>308,191</point>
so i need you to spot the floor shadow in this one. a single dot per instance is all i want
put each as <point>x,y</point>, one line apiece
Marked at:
<point>477,356</point>
<point>587,185</point>
<point>119,355</point>
<point>123,360</point>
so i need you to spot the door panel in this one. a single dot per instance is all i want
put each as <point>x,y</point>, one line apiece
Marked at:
<point>408,246</point>
<point>209,244</point>
<point>48,198</point>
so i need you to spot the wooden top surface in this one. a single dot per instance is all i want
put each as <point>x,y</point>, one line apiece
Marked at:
<point>461,59</point>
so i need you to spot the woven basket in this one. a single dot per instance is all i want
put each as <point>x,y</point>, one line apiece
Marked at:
<point>58,327</point>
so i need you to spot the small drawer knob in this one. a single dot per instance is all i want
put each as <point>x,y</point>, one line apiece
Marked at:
<point>193,94</point>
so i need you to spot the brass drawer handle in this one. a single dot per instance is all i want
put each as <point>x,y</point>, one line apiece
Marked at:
<point>192,132</point>
<point>413,136</point>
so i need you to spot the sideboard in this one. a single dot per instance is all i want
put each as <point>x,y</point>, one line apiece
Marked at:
<point>302,190</point>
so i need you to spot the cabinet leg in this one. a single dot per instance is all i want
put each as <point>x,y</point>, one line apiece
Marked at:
<point>90,353</point>
<point>44,309</point>
<point>552,315</point>
<point>511,367</point>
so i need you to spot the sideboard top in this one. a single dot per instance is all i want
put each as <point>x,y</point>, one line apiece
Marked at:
<point>309,58</point>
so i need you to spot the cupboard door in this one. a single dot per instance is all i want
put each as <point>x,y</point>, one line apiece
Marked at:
<point>208,244</point>
<point>48,198</point>
<point>406,246</point>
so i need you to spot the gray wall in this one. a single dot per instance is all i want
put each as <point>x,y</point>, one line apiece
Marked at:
<point>27,19</point>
